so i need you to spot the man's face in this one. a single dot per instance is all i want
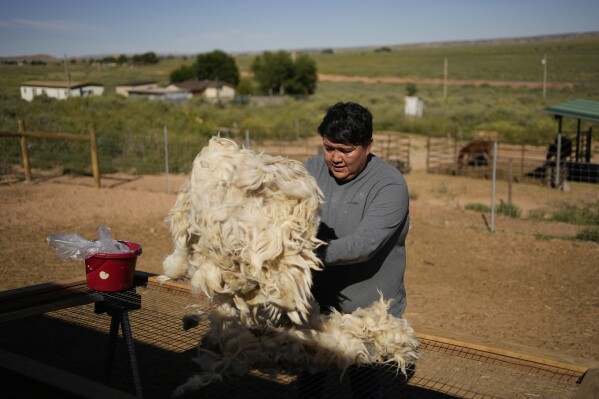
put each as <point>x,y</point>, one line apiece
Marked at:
<point>345,161</point>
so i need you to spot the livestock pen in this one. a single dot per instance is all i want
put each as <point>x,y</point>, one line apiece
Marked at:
<point>515,162</point>
<point>61,340</point>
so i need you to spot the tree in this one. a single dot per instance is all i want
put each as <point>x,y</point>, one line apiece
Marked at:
<point>244,87</point>
<point>146,58</point>
<point>278,73</point>
<point>216,65</point>
<point>304,76</point>
<point>183,73</point>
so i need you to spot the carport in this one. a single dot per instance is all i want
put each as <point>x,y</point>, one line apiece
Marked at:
<point>580,169</point>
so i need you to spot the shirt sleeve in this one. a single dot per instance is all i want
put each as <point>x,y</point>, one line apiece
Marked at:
<point>384,216</point>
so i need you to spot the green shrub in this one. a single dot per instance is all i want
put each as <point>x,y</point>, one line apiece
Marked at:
<point>584,213</point>
<point>589,234</point>
<point>478,207</point>
<point>537,214</point>
<point>508,209</point>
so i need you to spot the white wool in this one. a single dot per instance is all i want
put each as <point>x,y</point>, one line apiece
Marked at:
<point>336,341</point>
<point>244,230</point>
<point>244,225</point>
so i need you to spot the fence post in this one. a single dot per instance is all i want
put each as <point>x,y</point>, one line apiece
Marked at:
<point>168,187</point>
<point>24,151</point>
<point>428,154</point>
<point>94,153</point>
<point>493,187</point>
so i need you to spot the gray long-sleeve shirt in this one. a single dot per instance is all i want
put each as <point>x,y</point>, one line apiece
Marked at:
<point>365,221</point>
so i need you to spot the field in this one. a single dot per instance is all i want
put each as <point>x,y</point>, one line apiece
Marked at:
<point>130,131</point>
<point>528,283</point>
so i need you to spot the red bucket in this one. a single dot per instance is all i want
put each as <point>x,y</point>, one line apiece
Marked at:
<point>112,272</point>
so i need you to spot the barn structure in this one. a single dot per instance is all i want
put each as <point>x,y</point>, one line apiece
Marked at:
<point>124,88</point>
<point>211,90</point>
<point>59,90</point>
<point>573,150</point>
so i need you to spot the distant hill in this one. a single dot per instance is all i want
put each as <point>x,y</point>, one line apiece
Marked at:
<point>28,58</point>
<point>474,42</point>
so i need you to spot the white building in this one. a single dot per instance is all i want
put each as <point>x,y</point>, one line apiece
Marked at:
<point>160,93</point>
<point>59,90</point>
<point>211,90</point>
<point>124,88</point>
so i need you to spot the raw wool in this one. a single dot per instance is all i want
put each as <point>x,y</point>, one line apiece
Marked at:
<point>244,228</point>
<point>335,341</point>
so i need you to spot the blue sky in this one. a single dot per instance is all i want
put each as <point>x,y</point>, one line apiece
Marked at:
<point>80,28</point>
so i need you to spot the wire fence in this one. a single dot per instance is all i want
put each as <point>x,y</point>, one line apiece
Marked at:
<point>513,164</point>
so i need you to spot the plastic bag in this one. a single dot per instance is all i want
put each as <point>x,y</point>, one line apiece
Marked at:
<point>71,246</point>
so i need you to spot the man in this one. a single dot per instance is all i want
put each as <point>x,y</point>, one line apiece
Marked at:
<point>365,221</point>
<point>365,217</point>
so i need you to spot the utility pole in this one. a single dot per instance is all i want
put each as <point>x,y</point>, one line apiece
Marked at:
<point>445,79</point>
<point>68,74</point>
<point>544,62</point>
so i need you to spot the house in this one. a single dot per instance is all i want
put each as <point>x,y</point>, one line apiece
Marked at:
<point>160,93</point>
<point>211,90</point>
<point>124,88</point>
<point>59,90</point>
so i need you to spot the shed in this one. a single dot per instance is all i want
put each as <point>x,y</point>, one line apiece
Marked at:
<point>59,90</point>
<point>212,90</point>
<point>161,93</point>
<point>124,88</point>
<point>581,168</point>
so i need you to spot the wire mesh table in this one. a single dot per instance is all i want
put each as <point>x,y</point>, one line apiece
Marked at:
<point>57,339</point>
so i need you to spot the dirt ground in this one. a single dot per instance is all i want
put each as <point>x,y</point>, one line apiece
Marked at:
<point>515,286</point>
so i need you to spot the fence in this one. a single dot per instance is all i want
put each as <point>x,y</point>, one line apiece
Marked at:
<point>22,134</point>
<point>515,162</point>
<point>146,153</point>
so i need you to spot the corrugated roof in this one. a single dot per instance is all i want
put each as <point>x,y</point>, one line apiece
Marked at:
<point>137,83</point>
<point>579,109</point>
<point>43,83</point>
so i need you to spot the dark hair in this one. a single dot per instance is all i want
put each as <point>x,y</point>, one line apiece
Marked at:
<point>347,123</point>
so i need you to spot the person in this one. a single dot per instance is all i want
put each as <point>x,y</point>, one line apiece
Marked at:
<point>364,219</point>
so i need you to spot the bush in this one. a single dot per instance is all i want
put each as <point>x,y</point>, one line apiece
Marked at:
<point>537,214</point>
<point>508,209</point>
<point>590,234</point>
<point>478,207</point>
<point>583,213</point>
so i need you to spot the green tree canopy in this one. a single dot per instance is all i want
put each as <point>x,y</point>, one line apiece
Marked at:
<point>304,76</point>
<point>216,65</point>
<point>277,72</point>
<point>272,70</point>
<point>183,73</point>
<point>146,58</point>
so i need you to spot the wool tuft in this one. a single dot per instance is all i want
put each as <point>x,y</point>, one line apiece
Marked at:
<point>244,229</point>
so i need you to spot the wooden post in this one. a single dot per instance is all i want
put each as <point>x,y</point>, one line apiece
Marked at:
<point>24,151</point>
<point>428,155</point>
<point>522,160</point>
<point>94,152</point>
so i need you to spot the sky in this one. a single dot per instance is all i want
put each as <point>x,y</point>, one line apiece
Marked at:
<point>110,27</point>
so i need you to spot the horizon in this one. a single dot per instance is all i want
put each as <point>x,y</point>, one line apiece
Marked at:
<point>417,44</point>
<point>66,27</point>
